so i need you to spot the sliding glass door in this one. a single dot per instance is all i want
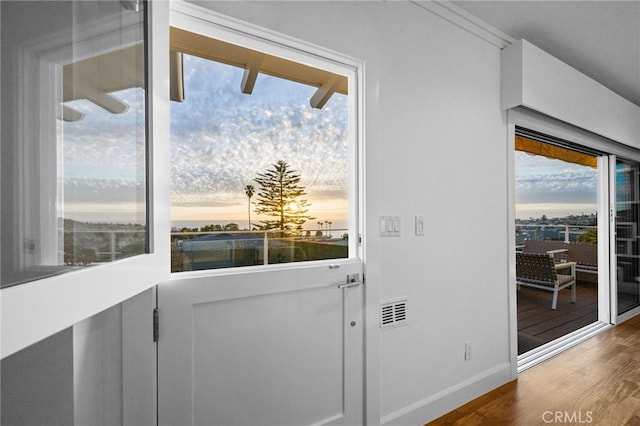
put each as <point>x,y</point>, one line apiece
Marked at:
<point>627,245</point>
<point>557,186</point>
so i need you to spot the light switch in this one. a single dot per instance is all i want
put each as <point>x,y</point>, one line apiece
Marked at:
<point>389,226</point>
<point>420,226</point>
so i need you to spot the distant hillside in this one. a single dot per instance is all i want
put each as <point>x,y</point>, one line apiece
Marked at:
<point>74,225</point>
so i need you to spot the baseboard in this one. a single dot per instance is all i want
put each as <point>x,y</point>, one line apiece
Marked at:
<point>436,405</point>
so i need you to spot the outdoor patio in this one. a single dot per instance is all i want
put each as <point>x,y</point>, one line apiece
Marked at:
<point>539,324</point>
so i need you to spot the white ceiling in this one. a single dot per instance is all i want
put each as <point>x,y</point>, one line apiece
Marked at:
<point>599,38</point>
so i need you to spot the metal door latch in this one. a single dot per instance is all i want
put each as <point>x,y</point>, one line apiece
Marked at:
<point>353,280</point>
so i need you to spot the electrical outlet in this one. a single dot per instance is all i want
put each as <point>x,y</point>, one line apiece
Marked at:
<point>467,351</point>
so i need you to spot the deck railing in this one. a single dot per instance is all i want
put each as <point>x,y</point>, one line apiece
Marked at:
<point>566,233</point>
<point>192,251</point>
<point>87,246</point>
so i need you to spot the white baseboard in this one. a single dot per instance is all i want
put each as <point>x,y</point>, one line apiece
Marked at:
<point>434,406</point>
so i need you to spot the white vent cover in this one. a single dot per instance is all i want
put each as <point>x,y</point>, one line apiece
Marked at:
<point>393,313</point>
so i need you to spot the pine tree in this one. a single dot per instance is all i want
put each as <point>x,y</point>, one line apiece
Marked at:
<point>280,196</point>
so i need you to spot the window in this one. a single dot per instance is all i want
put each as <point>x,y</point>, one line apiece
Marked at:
<point>260,154</point>
<point>74,151</point>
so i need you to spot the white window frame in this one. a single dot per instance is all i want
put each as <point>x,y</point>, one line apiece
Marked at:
<point>35,310</point>
<point>208,23</point>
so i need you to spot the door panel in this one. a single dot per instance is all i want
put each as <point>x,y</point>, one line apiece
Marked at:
<point>272,347</point>
<point>627,244</point>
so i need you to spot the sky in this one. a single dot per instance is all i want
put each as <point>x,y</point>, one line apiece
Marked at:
<point>221,138</point>
<point>103,158</point>
<point>553,187</point>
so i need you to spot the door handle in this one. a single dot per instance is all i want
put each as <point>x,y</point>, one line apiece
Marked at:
<point>353,284</point>
<point>353,280</point>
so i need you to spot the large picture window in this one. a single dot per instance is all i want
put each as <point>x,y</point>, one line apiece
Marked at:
<point>260,157</point>
<point>74,151</point>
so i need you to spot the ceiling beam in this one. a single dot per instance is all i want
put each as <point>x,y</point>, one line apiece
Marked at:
<point>324,92</point>
<point>176,79</point>
<point>251,72</point>
<point>106,101</point>
<point>69,114</point>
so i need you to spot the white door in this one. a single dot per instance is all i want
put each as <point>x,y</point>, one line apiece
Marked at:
<point>275,347</point>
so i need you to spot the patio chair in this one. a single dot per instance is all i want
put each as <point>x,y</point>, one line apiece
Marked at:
<point>538,270</point>
<point>555,247</point>
<point>585,255</point>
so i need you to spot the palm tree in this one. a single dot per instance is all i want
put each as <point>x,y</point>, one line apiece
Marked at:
<point>249,190</point>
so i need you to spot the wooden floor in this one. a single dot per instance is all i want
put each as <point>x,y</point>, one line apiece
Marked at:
<point>596,382</point>
<point>539,324</point>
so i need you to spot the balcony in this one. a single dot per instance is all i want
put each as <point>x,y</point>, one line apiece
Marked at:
<point>537,322</point>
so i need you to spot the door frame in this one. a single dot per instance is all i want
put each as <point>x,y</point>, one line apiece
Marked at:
<point>617,318</point>
<point>258,37</point>
<point>606,287</point>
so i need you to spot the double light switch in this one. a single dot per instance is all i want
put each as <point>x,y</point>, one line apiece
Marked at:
<point>389,226</point>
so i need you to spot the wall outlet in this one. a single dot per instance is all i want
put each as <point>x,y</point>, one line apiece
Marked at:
<point>467,351</point>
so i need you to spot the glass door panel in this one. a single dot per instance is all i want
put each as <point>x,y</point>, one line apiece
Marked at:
<point>556,217</point>
<point>627,250</point>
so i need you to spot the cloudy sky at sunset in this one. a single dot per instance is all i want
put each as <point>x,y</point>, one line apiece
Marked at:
<point>553,187</point>
<point>103,158</point>
<point>220,139</point>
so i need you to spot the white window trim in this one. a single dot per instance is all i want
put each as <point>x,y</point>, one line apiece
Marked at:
<point>33,311</point>
<point>203,21</point>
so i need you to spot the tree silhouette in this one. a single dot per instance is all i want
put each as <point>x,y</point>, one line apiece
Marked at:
<point>249,190</point>
<point>280,195</point>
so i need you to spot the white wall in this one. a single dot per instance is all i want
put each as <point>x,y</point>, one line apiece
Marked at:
<point>114,367</point>
<point>435,146</point>
<point>536,80</point>
<point>37,383</point>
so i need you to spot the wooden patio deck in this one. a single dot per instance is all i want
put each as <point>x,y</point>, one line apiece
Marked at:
<point>539,324</point>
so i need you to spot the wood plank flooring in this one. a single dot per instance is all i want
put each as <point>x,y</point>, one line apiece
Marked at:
<point>596,382</point>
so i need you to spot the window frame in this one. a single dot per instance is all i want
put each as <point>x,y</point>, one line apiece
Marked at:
<point>34,310</point>
<point>224,28</point>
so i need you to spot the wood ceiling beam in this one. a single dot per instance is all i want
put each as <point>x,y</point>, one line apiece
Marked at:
<point>238,56</point>
<point>176,71</point>
<point>251,72</point>
<point>69,114</point>
<point>106,101</point>
<point>324,92</point>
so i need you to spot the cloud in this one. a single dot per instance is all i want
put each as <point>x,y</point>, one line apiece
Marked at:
<point>543,180</point>
<point>103,191</point>
<point>105,145</point>
<point>222,138</point>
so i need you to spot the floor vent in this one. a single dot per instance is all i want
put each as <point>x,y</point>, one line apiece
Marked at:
<point>393,314</point>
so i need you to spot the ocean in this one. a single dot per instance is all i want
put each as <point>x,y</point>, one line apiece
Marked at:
<point>338,225</point>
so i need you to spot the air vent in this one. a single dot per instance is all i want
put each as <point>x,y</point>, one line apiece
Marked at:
<point>393,313</point>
